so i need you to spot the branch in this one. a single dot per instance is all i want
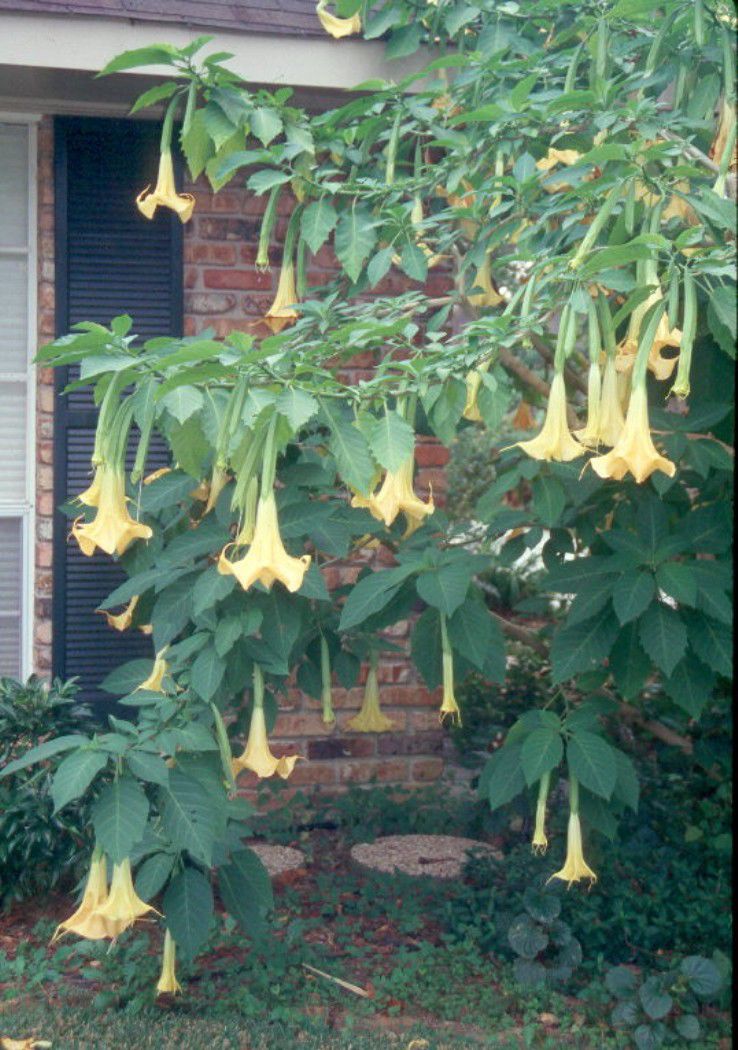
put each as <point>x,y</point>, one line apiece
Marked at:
<point>625,710</point>
<point>574,379</point>
<point>527,376</point>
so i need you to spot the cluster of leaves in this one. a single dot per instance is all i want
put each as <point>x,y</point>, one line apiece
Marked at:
<point>545,947</point>
<point>39,847</point>
<point>650,1004</point>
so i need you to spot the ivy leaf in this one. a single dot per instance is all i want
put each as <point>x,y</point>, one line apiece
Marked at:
<point>188,909</point>
<point>663,636</point>
<point>355,237</point>
<point>592,761</point>
<point>318,222</point>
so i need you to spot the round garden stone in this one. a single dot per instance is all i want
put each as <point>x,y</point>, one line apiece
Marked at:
<point>440,856</point>
<point>278,859</point>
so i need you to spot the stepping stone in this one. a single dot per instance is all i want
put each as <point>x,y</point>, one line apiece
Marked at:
<point>278,859</point>
<point>439,856</point>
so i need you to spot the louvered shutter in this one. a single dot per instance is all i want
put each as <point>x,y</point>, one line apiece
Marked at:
<point>110,260</point>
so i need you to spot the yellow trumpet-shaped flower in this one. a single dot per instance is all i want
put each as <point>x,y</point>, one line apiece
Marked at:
<point>612,419</point>
<point>113,530</point>
<point>91,496</point>
<point>370,718</point>
<point>282,313</point>
<point>218,482</point>
<point>121,621</point>
<point>396,495</point>
<point>553,158</point>
<point>123,905</point>
<point>489,296</point>
<point>539,843</point>
<point>575,866</point>
<point>338,27</point>
<point>661,366</point>
<point>590,434</point>
<point>471,408</point>
<point>165,193</point>
<point>257,756</point>
<point>554,442</point>
<point>85,921</point>
<point>266,559</point>
<point>154,683</point>
<point>168,983</point>
<point>449,706</point>
<point>634,450</point>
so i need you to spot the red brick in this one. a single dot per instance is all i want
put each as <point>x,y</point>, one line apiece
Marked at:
<point>308,774</point>
<point>210,303</point>
<point>361,771</point>
<point>425,769</point>
<point>338,747</point>
<point>242,280</point>
<point>427,455</point>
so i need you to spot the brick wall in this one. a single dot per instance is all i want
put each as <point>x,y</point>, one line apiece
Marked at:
<point>223,290</point>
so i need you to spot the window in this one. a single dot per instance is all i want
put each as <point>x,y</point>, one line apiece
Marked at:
<point>17,347</point>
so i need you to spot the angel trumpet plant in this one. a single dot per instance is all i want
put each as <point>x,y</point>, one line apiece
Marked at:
<point>282,312</point>
<point>123,620</point>
<point>338,27</point>
<point>539,843</point>
<point>397,496</point>
<point>488,295</point>
<point>155,681</point>
<point>257,756</point>
<point>326,694</point>
<point>168,983</point>
<point>123,905</point>
<point>555,441</point>
<point>370,718</point>
<point>575,866</point>
<point>165,192</point>
<point>449,707</point>
<point>85,921</point>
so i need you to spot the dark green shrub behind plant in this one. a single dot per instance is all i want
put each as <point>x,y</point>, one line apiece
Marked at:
<point>39,848</point>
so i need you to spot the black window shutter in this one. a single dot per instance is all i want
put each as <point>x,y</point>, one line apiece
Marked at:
<point>109,260</point>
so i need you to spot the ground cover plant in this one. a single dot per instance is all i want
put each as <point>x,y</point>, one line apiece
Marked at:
<point>556,186</point>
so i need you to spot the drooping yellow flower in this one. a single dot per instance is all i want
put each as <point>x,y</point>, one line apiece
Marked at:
<point>113,530</point>
<point>575,867</point>
<point>554,442</point>
<point>725,127</point>
<point>612,419</point>
<point>218,482</point>
<point>471,408</point>
<point>154,682</point>
<point>282,313</point>
<point>661,366</point>
<point>551,160</point>
<point>449,706</point>
<point>121,621</point>
<point>91,496</point>
<point>416,218</point>
<point>590,434</point>
<point>489,296</point>
<point>266,559</point>
<point>168,983</point>
<point>634,450</point>
<point>123,905</point>
<point>396,495</point>
<point>539,843</point>
<point>326,692</point>
<point>338,27</point>
<point>370,718</point>
<point>165,193</point>
<point>85,921</point>
<point>257,756</point>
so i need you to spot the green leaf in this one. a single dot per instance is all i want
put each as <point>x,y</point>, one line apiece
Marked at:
<point>127,677</point>
<point>404,41</point>
<point>590,599</point>
<point>541,751</point>
<point>379,22</point>
<point>119,817</point>
<point>549,499</point>
<point>152,875</point>
<point>654,1000</point>
<point>621,981</point>
<point>678,580</point>
<point>705,980</point>
<point>188,909</point>
<point>318,222</point>
<point>627,788</point>
<point>266,124</point>
<point>712,642</point>
<point>391,439</point>
<point>632,594</point>
<point>44,751</point>
<point>371,594</point>
<point>592,761</point>
<point>504,777</point>
<point>475,636</point>
<point>350,449</point>
<point>155,94</point>
<point>526,938</point>
<point>157,55</point>
<point>414,262</point>
<point>447,409</point>
<point>207,672</point>
<point>445,588</point>
<point>354,239</point>
<point>628,663</point>
<point>425,647</point>
<point>210,587</point>
<point>246,890</point>
<point>690,685</point>
<point>188,816</point>
<point>297,406</point>
<point>688,1027</point>
<point>663,636</point>
<point>182,402</point>
<point>75,774</point>
<point>379,265</point>
<point>583,646</point>
<point>165,492</point>
<point>147,766</point>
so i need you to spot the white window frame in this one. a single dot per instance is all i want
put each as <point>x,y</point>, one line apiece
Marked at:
<point>26,508</point>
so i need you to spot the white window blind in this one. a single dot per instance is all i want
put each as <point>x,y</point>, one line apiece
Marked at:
<point>17,310</point>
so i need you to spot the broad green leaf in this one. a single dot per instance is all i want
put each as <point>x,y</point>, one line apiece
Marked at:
<point>318,222</point>
<point>119,817</point>
<point>246,891</point>
<point>43,751</point>
<point>663,636</point>
<point>712,642</point>
<point>188,817</point>
<point>592,761</point>
<point>75,774</point>
<point>266,179</point>
<point>475,635</point>
<point>350,449</point>
<point>504,777</point>
<point>425,647</point>
<point>391,439</point>
<point>583,646</point>
<point>705,980</point>
<point>627,788</point>
<point>445,588</point>
<point>404,41</point>
<point>188,910</point>
<point>152,875</point>
<point>207,672</point>
<point>182,402</point>
<point>371,594</point>
<point>297,406</point>
<point>210,587</point>
<point>590,599</point>
<point>147,766</point>
<point>156,55</point>
<point>632,594</point>
<point>266,124</point>
<point>690,685</point>
<point>678,580</point>
<point>540,752</point>
<point>354,238</point>
<point>549,499</point>
<point>628,663</point>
